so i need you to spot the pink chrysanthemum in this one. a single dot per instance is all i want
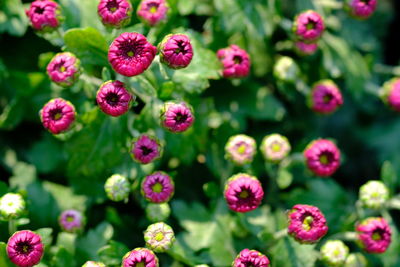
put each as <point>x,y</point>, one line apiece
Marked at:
<point>253,258</point>
<point>146,149</point>
<point>325,97</point>
<point>71,221</point>
<point>44,15</point>
<point>308,26</point>
<point>176,117</point>
<point>374,234</point>
<point>115,13</point>
<point>152,12</point>
<point>361,9</point>
<point>307,224</point>
<point>240,149</point>
<point>391,93</point>
<point>57,115</point>
<point>158,187</point>
<point>113,99</point>
<point>142,257</point>
<point>322,157</point>
<point>25,248</point>
<point>64,69</point>
<point>235,61</point>
<point>176,51</point>
<point>243,192</point>
<point>130,54</point>
<point>305,49</point>
<point>275,147</point>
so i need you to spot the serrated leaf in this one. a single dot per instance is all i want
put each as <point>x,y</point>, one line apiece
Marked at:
<point>112,253</point>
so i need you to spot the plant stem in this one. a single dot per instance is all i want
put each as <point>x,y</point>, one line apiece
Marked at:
<point>12,227</point>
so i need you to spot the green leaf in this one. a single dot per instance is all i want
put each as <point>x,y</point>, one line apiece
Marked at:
<point>88,45</point>
<point>12,17</point>
<point>4,261</point>
<point>65,197</point>
<point>23,175</point>
<point>388,176</point>
<point>63,258</point>
<point>284,179</point>
<point>46,235</point>
<point>289,253</point>
<point>112,253</point>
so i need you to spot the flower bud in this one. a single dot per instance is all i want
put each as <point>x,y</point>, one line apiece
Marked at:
<point>391,94</point>
<point>115,13</point>
<point>57,115</point>
<point>117,188</point>
<point>308,26</point>
<point>93,264</point>
<point>113,98</point>
<point>157,212</point>
<point>25,248</point>
<point>177,117</point>
<point>146,149</point>
<point>158,187</point>
<point>374,235</point>
<point>360,9</point>
<point>356,260</point>
<point>249,257</point>
<point>305,49</point>
<point>240,149</point>
<point>152,12</point>
<point>373,194</point>
<point>334,253</point>
<point>322,157</point>
<point>142,257</point>
<point>44,15</point>
<point>71,221</point>
<point>11,206</point>
<point>176,51</point>
<point>286,69</point>
<point>159,237</point>
<point>325,97</point>
<point>235,62</point>
<point>64,69</point>
<point>275,147</point>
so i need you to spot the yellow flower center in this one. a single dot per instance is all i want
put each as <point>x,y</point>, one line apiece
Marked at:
<point>157,188</point>
<point>244,194</point>
<point>307,223</point>
<point>159,236</point>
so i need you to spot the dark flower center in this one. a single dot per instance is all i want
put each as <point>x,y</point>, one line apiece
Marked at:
<point>139,264</point>
<point>112,99</point>
<point>327,98</point>
<point>70,218</point>
<point>181,118</point>
<point>60,66</point>
<point>326,157</point>
<point>24,247</point>
<point>244,194</point>
<point>157,187</point>
<point>56,114</point>
<point>129,49</point>
<point>365,1</point>
<point>377,234</point>
<point>146,150</point>
<point>112,5</point>
<point>153,7</point>
<point>311,25</point>
<point>237,59</point>
<point>39,10</point>
<point>181,48</point>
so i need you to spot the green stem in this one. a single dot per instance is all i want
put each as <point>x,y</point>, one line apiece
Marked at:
<point>12,227</point>
<point>347,236</point>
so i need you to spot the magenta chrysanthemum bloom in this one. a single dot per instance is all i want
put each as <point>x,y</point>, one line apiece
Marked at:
<point>71,221</point>
<point>374,234</point>
<point>113,99</point>
<point>64,69</point>
<point>44,15</point>
<point>307,224</point>
<point>325,97</point>
<point>235,61</point>
<point>243,192</point>
<point>248,257</point>
<point>176,117</point>
<point>391,93</point>
<point>130,54</point>
<point>146,149</point>
<point>152,12</point>
<point>176,51</point>
<point>322,157</point>
<point>308,26</point>
<point>240,149</point>
<point>361,9</point>
<point>57,115</point>
<point>115,13</point>
<point>140,257</point>
<point>158,187</point>
<point>25,248</point>
<point>305,49</point>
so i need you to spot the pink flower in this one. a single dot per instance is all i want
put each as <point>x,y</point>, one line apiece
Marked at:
<point>305,49</point>
<point>307,224</point>
<point>115,13</point>
<point>130,54</point>
<point>176,117</point>
<point>57,115</point>
<point>158,187</point>
<point>71,221</point>
<point>152,12</point>
<point>361,9</point>
<point>308,26</point>
<point>322,157</point>
<point>113,99</point>
<point>325,97</point>
<point>142,257</point>
<point>249,257</point>
<point>374,235</point>
<point>146,149</point>
<point>243,192</point>
<point>235,61</point>
<point>391,93</point>
<point>64,69</point>
<point>25,248</point>
<point>240,149</point>
<point>176,51</point>
<point>44,15</point>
